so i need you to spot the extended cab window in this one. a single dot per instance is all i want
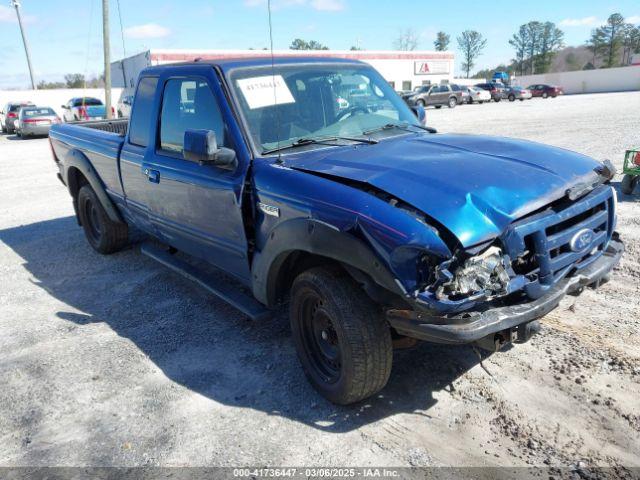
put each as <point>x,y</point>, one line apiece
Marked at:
<point>188,104</point>
<point>139,125</point>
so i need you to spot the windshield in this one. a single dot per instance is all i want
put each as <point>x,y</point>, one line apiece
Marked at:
<point>296,102</point>
<point>34,112</point>
<point>78,102</point>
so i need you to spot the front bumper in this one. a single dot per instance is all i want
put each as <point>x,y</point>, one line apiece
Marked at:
<point>470,326</point>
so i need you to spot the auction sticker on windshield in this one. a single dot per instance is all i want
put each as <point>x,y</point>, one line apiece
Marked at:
<point>265,91</point>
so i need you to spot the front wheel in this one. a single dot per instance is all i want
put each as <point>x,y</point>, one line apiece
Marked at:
<point>341,337</point>
<point>104,235</point>
<point>453,101</point>
<point>512,98</point>
<point>421,103</point>
<point>629,183</point>
<point>545,95</point>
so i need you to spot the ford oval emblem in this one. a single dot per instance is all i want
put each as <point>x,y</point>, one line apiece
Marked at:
<point>582,240</point>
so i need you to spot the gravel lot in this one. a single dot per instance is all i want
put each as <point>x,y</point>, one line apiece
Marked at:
<point>116,361</point>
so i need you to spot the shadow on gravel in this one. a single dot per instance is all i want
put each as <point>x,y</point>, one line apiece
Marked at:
<point>201,343</point>
<point>634,197</point>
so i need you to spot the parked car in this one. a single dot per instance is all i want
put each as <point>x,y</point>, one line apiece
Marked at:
<point>494,88</point>
<point>435,95</point>
<point>517,93</point>
<point>464,93</point>
<point>124,104</point>
<point>545,91</point>
<point>84,109</point>
<point>374,229</point>
<point>34,121</point>
<point>9,115</point>
<point>475,95</point>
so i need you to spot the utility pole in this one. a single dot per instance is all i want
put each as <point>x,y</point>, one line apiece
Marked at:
<point>107,57</point>
<point>16,5</point>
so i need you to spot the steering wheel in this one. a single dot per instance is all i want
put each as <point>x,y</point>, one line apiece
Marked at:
<point>350,111</point>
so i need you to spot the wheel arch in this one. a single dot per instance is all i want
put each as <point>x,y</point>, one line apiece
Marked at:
<point>79,172</point>
<point>300,244</point>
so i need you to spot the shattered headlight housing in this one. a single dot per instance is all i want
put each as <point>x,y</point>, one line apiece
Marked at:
<point>482,275</point>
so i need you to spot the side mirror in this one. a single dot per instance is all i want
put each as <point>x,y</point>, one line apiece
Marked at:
<point>202,146</point>
<point>421,113</point>
<point>126,101</point>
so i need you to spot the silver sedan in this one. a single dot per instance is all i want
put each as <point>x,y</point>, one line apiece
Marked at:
<point>34,121</point>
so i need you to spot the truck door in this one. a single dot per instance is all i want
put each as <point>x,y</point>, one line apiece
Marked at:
<point>195,208</point>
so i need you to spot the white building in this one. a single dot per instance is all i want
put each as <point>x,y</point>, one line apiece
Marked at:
<point>403,70</point>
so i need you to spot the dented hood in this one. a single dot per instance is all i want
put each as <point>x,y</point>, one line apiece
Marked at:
<point>473,185</point>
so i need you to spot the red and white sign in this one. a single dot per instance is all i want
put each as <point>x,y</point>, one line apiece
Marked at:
<point>431,67</point>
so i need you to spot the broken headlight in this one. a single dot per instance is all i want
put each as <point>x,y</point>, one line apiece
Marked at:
<point>483,275</point>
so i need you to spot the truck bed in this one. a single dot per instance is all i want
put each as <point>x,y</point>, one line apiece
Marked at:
<point>118,126</point>
<point>100,141</point>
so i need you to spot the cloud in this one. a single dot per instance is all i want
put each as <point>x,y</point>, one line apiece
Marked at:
<point>148,30</point>
<point>8,15</point>
<point>320,5</point>
<point>580,22</point>
<point>328,5</point>
<point>633,19</point>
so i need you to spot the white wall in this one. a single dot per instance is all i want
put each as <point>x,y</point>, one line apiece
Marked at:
<point>589,81</point>
<point>55,98</point>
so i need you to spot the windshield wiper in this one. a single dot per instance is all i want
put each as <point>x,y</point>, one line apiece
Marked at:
<point>301,142</point>
<point>400,126</point>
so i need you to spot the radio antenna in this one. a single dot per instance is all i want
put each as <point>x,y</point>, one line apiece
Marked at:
<point>273,81</point>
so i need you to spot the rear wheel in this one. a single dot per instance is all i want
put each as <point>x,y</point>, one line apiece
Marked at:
<point>453,101</point>
<point>497,99</point>
<point>545,95</point>
<point>438,106</point>
<point>629,183</point>
<point>512,98</point>
<point>104,235</point>
<point>342,340</point>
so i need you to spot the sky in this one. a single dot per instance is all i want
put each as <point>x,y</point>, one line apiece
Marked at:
<point>65,36</point>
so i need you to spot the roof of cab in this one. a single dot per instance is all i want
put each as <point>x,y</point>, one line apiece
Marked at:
<point>227,64</point>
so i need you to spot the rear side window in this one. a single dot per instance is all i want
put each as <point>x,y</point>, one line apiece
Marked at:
<point>188,104</point>
<point>139,125</point>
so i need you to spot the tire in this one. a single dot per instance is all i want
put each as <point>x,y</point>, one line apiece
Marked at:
<point>522,99</point>
<point>120,114</point>
<point>342,340</point>
<point>438,106</point>
<point>470,101</point>
<point>545,95</point>
<point>512,98</point>
<point>421,103</point>
<point>480,102</point>
<point>629,183</point>
<point>453,101</point>
<point>4,129</point>
<point>103,235</point>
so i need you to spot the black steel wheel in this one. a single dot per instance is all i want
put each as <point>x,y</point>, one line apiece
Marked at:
<point>104,235</point>
<point>342,340</point>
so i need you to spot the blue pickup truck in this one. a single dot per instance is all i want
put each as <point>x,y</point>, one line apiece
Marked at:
<point>310,182</point>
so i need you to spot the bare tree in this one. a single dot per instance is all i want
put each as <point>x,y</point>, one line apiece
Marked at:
<point>471,43</point>
<point>408,40</point>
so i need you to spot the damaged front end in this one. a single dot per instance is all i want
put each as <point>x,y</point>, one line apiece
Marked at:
<point>490,292</point>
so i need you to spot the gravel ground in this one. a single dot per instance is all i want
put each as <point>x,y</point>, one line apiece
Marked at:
<point>116,361</point>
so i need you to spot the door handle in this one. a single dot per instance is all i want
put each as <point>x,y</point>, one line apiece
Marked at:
<point>152,175</point>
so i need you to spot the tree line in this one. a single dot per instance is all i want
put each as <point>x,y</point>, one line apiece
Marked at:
<point>73,80</point>
<point>536,44</point>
